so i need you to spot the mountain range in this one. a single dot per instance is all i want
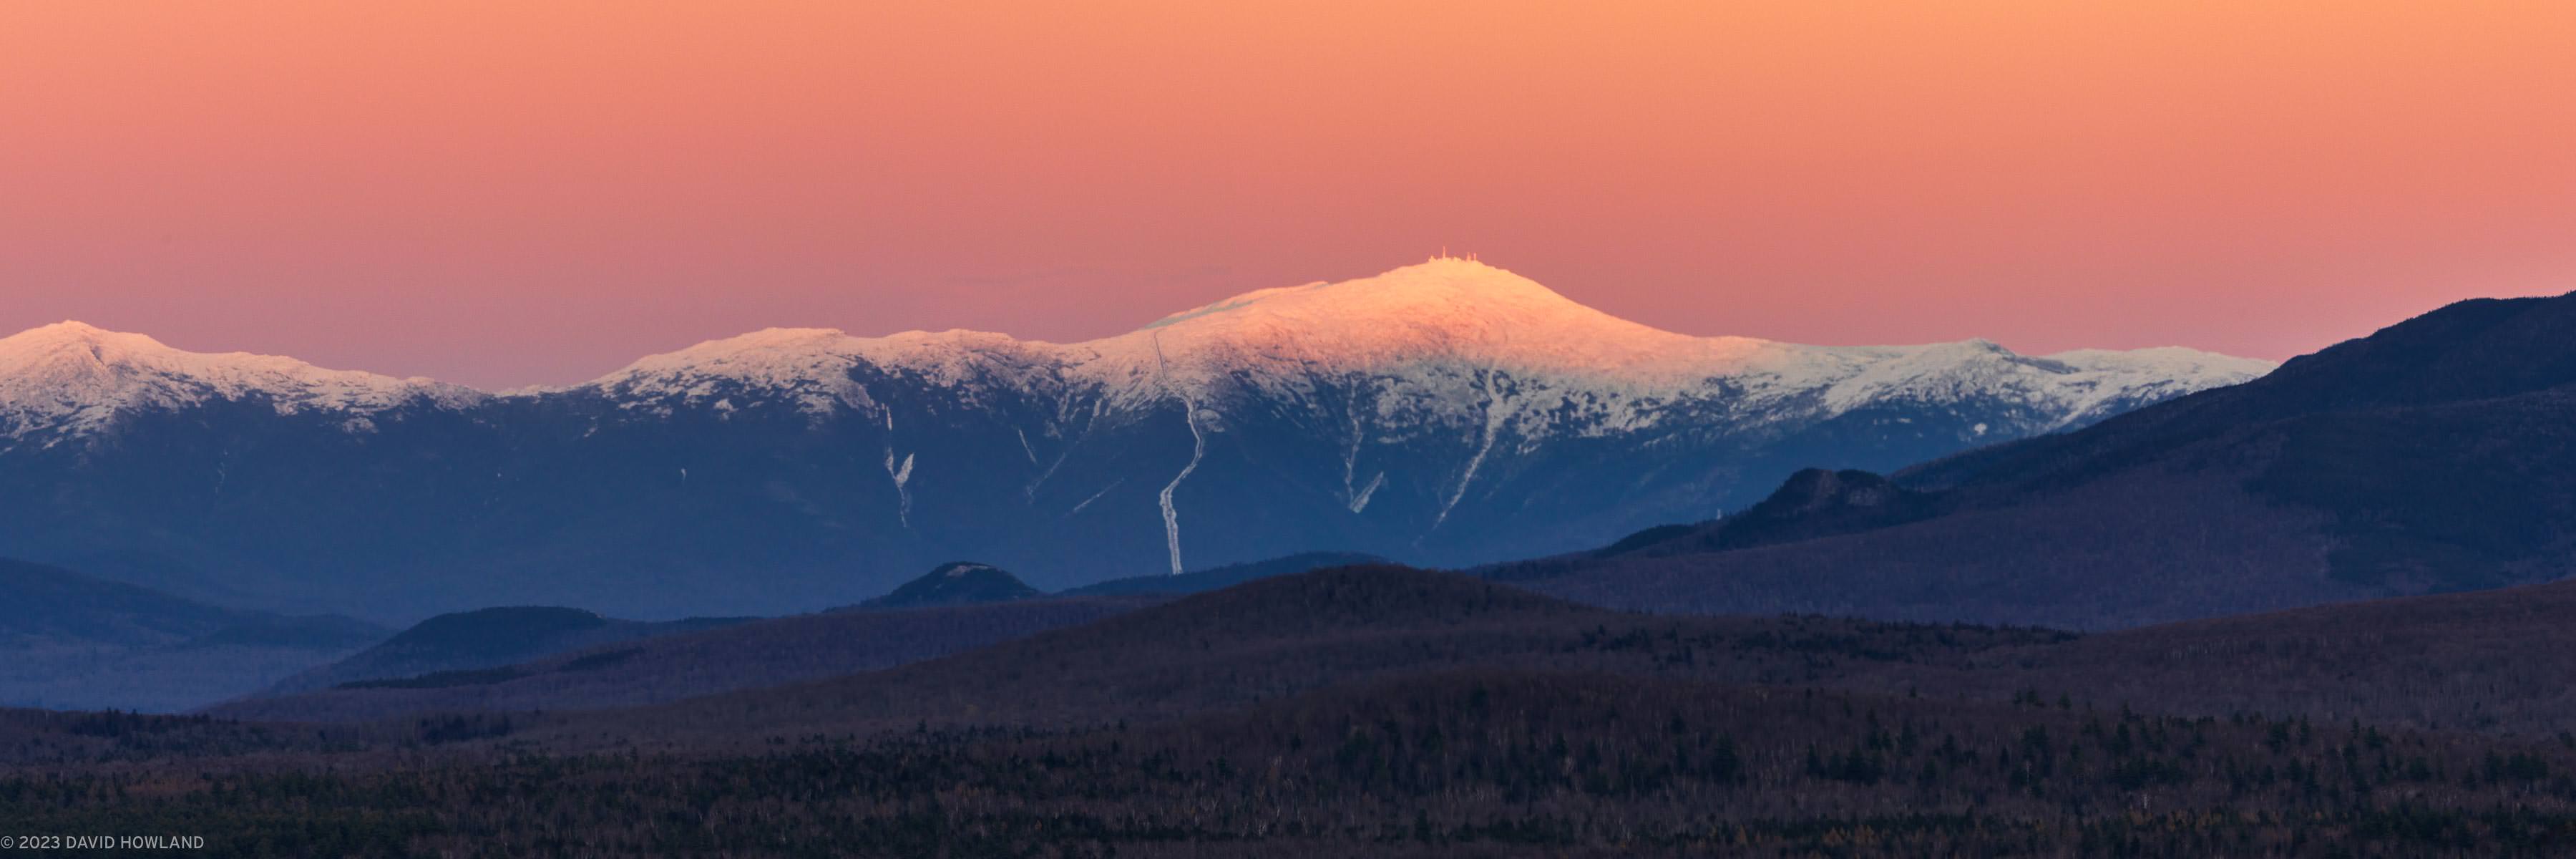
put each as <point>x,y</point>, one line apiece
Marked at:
<point>1445,413</point>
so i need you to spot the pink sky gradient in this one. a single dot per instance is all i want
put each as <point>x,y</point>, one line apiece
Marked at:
<point>498,195</point>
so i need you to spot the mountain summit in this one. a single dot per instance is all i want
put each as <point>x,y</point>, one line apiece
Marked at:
<point>1444,413</point>
<point>1449,307</point>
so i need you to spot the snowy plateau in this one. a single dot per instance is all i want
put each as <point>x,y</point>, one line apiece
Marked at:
<point>1444,413</point>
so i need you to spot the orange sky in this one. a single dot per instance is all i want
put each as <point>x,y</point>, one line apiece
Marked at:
<point>498,194</point>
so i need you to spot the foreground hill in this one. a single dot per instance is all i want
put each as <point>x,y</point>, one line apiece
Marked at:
<point>2432,456</point>
<point>1468,763</point>
<point>75,641</point>
<point>1443,413</point>
<point>1381,711</point>
<point>482,639</point>
<point>1202,581</point>
<point>674,664</point>
<point>1094,660</point>
<point>1275,637</point>
<point>2453,662</point>
<point>1428,765</point>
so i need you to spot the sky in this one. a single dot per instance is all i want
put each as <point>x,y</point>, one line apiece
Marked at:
<point>501,194</point>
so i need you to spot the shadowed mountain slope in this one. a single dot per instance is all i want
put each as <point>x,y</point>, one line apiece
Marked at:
<point>2432,456</point>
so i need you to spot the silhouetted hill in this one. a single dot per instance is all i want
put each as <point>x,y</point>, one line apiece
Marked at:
<point>76,641</point>
<point>679,665</point>
<point>485,639</point>
<point>957,583</point>
<point>1281,636</point>
<point>1202,581</point>
<point>53,604</point>
<point>1103,663</point>
<point>1813,503</point>
<point>2432,456</point>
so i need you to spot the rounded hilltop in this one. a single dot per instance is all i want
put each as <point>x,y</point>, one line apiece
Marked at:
<point>957,583</point>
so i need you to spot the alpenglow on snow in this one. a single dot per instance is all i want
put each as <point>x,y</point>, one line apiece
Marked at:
<point>1443,413</point>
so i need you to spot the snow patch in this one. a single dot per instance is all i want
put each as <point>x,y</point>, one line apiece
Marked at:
<point>1360,502</point>
<point>1095,496</point>
<point>1198,450</point>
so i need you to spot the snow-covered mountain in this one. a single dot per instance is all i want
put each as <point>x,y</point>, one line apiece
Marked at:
<point>1410,330</point>
<point>69,378</point>
<point>1447,412</point>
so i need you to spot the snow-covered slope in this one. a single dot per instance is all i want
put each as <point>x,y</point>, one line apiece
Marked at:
<point>69,378</point>
<point>1451,309</point>
<point>810,367</point>
<point>1432,379</point>
<point>1424,327</point>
